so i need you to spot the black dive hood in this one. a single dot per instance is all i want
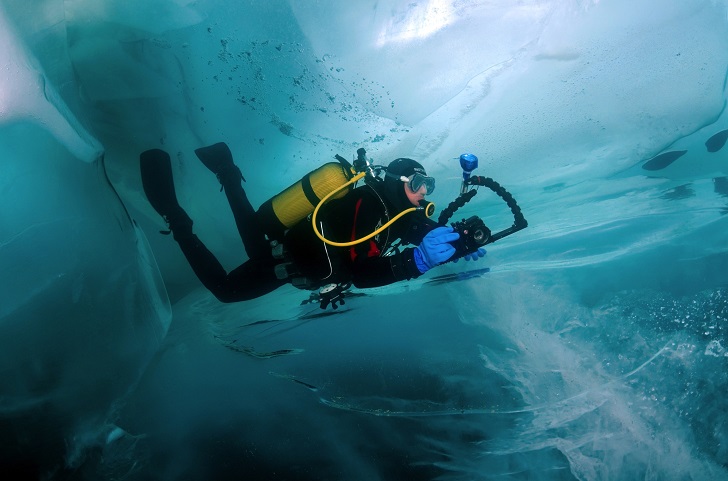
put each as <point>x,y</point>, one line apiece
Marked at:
<point>393,187</point>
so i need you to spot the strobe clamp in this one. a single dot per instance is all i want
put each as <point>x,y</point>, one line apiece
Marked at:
<point>473,231</point>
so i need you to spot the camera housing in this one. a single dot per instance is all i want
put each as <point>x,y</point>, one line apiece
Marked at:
<point>474,234</point>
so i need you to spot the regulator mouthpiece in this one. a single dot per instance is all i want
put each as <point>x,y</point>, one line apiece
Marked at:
<point>428,207</point>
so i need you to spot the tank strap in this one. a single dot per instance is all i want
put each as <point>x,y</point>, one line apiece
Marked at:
<point>308,190</point>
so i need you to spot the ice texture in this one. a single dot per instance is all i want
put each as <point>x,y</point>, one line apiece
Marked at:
<point>590,346</point>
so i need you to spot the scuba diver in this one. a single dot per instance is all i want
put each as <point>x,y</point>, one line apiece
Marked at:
<point>351,239</point>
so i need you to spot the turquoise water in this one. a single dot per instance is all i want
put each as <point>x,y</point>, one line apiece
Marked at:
<point>590,346</point>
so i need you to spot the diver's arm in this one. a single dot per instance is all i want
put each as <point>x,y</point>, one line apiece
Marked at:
<point>419,227</point>
<point>436,248</point>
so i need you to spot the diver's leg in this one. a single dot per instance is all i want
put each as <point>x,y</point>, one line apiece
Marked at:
<point>158,185</point>
<point>253,279</point>
<point>219,160</point>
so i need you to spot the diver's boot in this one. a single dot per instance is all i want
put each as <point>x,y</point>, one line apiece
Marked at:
<point>219,160</point>
<point>158,183</point>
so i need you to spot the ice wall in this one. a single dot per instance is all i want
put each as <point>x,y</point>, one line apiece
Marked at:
<point>82,307</point>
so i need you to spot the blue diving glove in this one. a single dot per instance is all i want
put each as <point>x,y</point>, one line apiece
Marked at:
<point>435,248</point>
<point>473,256</point>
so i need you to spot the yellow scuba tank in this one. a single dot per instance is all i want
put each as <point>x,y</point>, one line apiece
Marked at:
<point>294,204</point>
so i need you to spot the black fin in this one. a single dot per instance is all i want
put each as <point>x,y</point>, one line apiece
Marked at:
<point>158,183</point>
<point>218,158</point>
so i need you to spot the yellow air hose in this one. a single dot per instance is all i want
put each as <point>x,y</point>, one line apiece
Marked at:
<point>429,209</point>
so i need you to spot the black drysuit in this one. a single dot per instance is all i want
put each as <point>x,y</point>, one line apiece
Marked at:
<point>357,214</point>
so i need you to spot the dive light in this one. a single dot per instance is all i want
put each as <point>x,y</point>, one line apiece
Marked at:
<point>468,162</point>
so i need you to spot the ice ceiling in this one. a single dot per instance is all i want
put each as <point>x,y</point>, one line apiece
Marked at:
<point>606,119</point>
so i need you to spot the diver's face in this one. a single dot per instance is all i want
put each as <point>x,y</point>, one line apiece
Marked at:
<point>415,196</point>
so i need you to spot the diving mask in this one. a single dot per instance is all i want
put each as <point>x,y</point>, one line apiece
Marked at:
<point>416,181</point>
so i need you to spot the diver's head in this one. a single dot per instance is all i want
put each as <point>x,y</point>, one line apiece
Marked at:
<point>406,183</point>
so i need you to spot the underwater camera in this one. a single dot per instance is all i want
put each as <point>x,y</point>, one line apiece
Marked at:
<point>474,234</point>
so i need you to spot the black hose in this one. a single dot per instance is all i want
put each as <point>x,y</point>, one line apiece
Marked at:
<point>454,206</point>
<point>519,221</point>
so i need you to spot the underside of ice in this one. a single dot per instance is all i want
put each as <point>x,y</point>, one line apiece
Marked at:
<point>590,346</point>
